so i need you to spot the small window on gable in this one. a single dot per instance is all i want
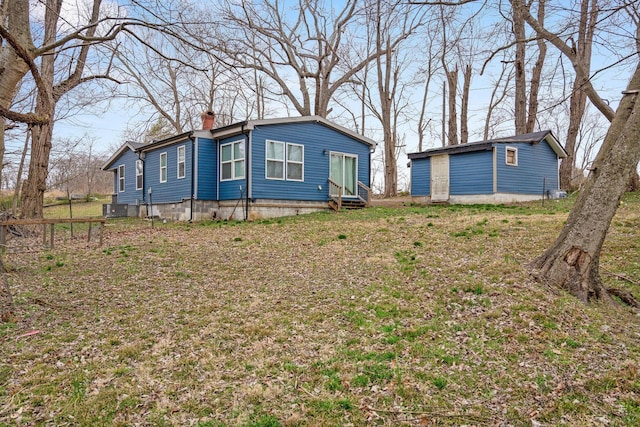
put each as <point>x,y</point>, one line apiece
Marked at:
<point>121,178</point>
<point>163,167</point>
<point>182,170</point>
<point>511,156</point>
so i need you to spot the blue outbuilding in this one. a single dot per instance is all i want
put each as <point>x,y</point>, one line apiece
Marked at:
<point>247,170</point>
<point>504,170</point>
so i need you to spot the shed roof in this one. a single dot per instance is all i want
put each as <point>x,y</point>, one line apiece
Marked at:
<point>530,138</point>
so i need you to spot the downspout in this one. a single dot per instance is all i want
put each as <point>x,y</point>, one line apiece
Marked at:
<point>247,172</point>
<point>193,146</point>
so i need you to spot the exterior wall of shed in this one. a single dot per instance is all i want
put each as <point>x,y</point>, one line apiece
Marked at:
<point>537,165</point>
<point>315,138</point>
<point>471,173</point>
<point>421,177</point>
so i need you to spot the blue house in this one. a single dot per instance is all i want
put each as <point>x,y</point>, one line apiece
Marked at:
<point>247,170</point>
<point>504,170</point>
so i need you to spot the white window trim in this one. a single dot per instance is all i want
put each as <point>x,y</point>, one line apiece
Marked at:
<point>506,156</point>
<point>166,159</point>
<point>287,161</point>
<point>282,160</point>
<point>182,148</point>
<point>121,178</point>
<point>139,162</point>
<point>233,161</point>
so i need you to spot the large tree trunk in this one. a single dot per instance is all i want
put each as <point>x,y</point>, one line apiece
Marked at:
<point>452,80</point>
<point>536,75</point>
<point>12,68</point>
<point>520,113</point>
<point>464,110</point>
<point>7,308</point>
<point>36,183</point>
<point>578,102</point>
<point>573,260</point>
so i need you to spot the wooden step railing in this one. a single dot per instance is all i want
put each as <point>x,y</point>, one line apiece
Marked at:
<point>335,195</point>
<point>364,193</point>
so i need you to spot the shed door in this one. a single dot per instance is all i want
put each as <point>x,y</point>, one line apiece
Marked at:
<point>440,178</point>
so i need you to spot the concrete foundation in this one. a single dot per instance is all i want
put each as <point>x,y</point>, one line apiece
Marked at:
<point>230,209</point>
<point>472,199</point>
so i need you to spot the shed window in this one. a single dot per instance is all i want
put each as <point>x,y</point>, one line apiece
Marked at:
<point>121,178</point>
<point>139,171</point>
<point>232,161</point>
<point>511,156</point>
<point>163,167</point>
<point>182,161</point>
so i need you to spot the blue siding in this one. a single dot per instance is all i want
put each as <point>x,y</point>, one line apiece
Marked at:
<point>471,173</point>
<point>130,195</point>
<point>535,163</point>
<point>230,190</point>
<point>315,138</point>
<point>174,189</point>
<point>207,169</point>
<point>421,177</point>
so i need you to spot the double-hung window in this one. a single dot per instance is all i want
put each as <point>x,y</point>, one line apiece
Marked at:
<point>139,172</point>
<point>182,171</point>
<point>295,162</point>
<point>232,161</point>
<point>275,159</point>
<point>121,178</point>
<point>163,167</point>
<point>284,161</point>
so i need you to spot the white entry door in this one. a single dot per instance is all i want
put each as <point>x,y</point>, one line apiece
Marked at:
<point>440,178</point>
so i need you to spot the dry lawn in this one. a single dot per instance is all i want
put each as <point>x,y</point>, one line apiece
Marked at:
<point>386,316</point>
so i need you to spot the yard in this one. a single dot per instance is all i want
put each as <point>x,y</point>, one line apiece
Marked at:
<point>386,316</point>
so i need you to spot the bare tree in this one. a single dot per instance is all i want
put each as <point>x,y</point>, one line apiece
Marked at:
<point>306,43</point>
<point>526,107</point>
<point>393,23</point>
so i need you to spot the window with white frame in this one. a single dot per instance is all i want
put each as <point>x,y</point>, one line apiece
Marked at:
<point>511,156</point>
<point>295,162</point>
<point>275,160</point>
<point>182,169</point>
<point>163,167</point>
<point>121,178</point>
<point>139,172</point>
<point>232,161</point>
<point>284,161</point>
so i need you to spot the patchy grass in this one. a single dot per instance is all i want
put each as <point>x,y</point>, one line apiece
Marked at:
<point>416,315</point>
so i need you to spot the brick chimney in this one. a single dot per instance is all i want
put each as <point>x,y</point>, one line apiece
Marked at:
<point>208,119</point>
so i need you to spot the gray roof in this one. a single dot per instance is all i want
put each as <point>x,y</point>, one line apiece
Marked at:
<point>530,138</point>
<point>235,129</point>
